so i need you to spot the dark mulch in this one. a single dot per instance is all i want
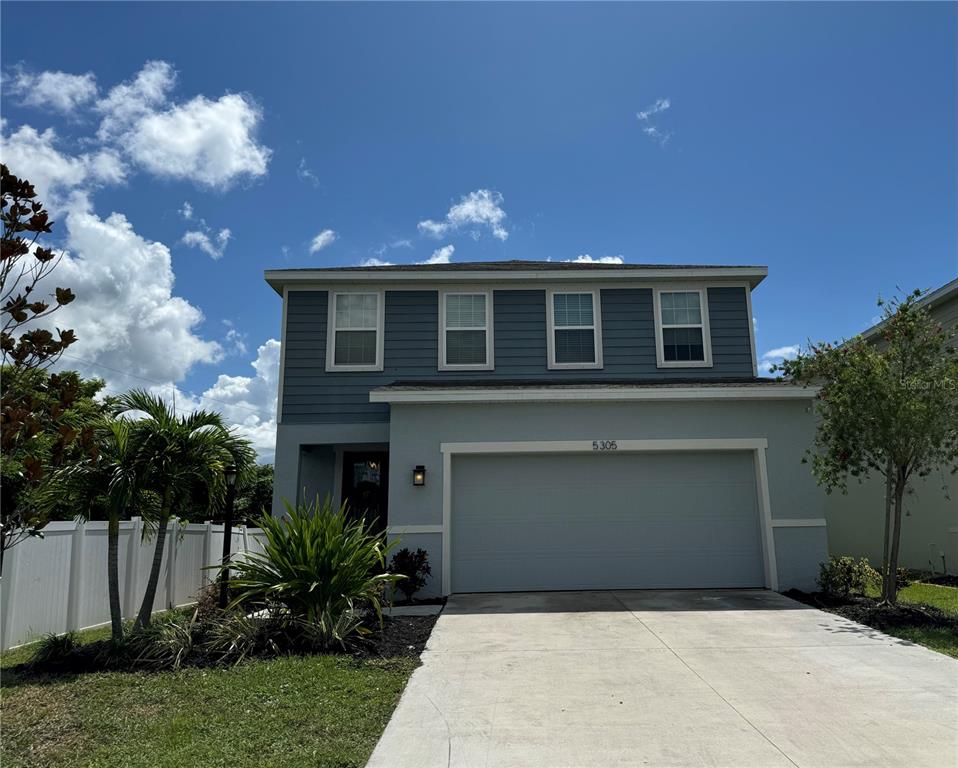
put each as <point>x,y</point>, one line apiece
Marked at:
<point>401,636</point>
<point>867,611</point>
<point>425,601</point>
<point>941,580</point>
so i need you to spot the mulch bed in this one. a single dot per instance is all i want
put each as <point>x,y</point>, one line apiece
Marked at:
<point>867,611</point>
<point>401,636</point>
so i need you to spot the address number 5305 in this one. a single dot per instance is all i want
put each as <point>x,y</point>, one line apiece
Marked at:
<point>604,445</point>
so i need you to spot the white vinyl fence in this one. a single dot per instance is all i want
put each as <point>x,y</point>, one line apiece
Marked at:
<point>59,583</point>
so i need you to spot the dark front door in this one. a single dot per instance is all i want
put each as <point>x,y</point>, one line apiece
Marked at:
<point>366,486</point>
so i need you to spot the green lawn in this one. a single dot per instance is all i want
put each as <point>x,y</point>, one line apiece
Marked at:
<point>944,598</point>
<point>292,711</point>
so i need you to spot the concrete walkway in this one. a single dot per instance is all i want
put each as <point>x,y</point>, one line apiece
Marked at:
<point>679,678</point>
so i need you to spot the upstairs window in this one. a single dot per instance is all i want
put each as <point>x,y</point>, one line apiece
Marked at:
<point>682,330</point>
<point>356,333</point>
<point>465,335</point>
<point>574,334</point>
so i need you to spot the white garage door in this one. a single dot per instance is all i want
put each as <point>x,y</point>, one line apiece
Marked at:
<point>605,521</point>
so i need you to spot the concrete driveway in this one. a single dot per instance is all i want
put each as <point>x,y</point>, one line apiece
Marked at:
<point>668,678</point>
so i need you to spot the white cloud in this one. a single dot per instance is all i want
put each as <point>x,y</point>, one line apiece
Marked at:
<point>776,356</point>
<point>125,314</point>
<point>187,210</point>
<point>655,133</point>
<point>59,91</point>
<point>322,240</point>
<point>440,255</point>
<point>214,247</point>
<point>129,102</point>
<point>584,258</point>
<point>35,156</point>
<point>371,262</point>
<point>248,403</point>
<point>482,208</point>
<point>403,243</point>
<point>304,173</point>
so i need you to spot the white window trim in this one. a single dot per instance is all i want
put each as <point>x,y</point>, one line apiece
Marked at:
<point>660,360</point>
<point>596,328</point>
<point>490,364</point>
<point>331,331</point>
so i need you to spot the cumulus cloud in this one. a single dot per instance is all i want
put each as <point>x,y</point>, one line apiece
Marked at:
<point>584,258</point>
<point>214,246</point>
<point>645,116</point>
<point>776,356</point>
<point>322,240</point>
<point>440,255</point>
<point>475,211</point>
<point>371,262</point>
<point>59,91</point>
<point>129,102</point>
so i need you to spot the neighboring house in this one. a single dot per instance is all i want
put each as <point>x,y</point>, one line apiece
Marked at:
<point>541,426</point>
<point>929,531</point>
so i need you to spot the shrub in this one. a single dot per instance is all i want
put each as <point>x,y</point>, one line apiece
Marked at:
<point>166,643</point>
<point>414,568</point>
<point>56,650</point>
<point>843,576</point>
<point>324,569</point>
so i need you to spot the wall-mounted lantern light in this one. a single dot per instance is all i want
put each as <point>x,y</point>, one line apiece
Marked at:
<point>419,475</point>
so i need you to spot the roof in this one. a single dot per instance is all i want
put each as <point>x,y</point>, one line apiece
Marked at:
<point>939,296</point>
<point>475,391</point>
<point>514,270</point>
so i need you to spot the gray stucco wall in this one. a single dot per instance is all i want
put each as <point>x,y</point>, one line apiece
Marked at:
<point>411,343</point>
<point>416,432</point>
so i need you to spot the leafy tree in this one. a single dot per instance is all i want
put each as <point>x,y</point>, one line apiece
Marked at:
<point>174,454</point>
<point>254,497</point>
<point>47,423</point>
<point>889,409</point>
<point>29,405</point>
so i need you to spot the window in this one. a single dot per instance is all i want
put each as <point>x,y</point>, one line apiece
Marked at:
<point>356,338</point>
<point>682,329</point>
<point>465,334</point>
<point>575,339</point>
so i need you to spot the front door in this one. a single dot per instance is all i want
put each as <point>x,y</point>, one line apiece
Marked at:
<point>366,486</point>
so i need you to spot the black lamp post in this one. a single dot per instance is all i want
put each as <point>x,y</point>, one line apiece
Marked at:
<point>230,475</point>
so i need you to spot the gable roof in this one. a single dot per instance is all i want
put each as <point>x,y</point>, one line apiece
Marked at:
<point>514,270</point>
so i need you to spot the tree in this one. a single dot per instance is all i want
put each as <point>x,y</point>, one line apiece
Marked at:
<point>175,454</point>
<point>29,405</point>
<point>889,409</point>
<point>111,481</point>
<point>47,423</point>
<point>254,497</point>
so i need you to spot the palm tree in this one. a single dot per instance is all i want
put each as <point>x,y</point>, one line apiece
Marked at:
<point>175,455</point>
<point>109,478</point>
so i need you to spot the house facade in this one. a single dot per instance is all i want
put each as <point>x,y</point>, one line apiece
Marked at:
<point>929,528</point>
<point>539,426</point>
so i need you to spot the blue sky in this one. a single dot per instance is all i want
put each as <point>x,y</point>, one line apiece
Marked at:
<point>819,139</point>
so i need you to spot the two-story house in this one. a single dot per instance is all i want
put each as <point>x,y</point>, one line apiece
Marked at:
<point>545,426</point>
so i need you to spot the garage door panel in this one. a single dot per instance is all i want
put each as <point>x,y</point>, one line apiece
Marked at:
<point>605,521</point>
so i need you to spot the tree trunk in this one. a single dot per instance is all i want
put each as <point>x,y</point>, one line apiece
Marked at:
<point>113,576</point>
<point>146,607</point>
<point>892,596</point>
<point>886,550</point>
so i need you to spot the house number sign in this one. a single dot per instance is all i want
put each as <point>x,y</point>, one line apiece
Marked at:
<point>604,445</point>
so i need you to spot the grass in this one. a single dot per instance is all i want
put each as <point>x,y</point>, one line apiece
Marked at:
<point>942,639</point>
<point>290,711</point>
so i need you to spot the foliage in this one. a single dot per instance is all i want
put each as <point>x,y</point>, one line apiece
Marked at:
<point>843,576</point>
<point>55,650</point>
<point>320,566</point>
<point>414,568</point>
<point>37,418</point>
<point>48,422</point>
<point>888,408</point>
<point>166,643</point>
<point>254,493</point>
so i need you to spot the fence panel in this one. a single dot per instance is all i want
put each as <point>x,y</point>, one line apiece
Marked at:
<point>59,583</point>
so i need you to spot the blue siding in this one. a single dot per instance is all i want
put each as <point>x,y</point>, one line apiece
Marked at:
<point>411,347</point>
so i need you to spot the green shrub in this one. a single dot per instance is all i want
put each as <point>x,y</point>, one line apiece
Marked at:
<point>843,576</point>
<point>324,569</point>
<point>166,643</point>
<point>56,650</point>
<point>414,568</point>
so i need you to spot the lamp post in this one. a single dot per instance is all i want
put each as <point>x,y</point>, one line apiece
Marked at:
<point>230,475</point>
